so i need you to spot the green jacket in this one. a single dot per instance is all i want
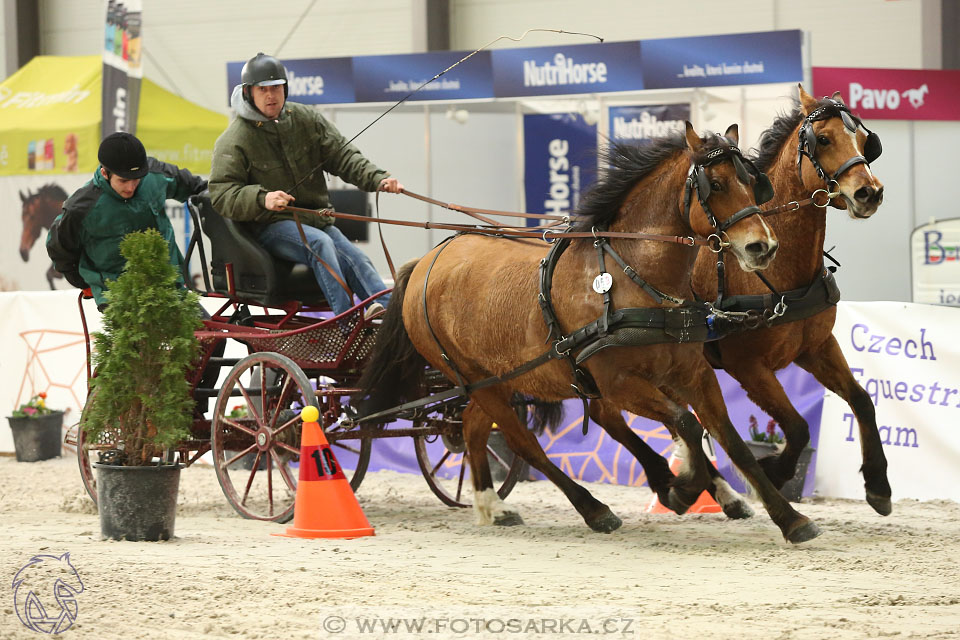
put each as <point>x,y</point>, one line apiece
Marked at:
<point>84,240</point>
<point>256,155</point>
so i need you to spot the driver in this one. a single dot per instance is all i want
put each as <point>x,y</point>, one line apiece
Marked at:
<point>273,145</point>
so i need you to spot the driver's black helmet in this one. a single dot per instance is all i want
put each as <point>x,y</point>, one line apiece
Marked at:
<point>123,154</point>
<point>264,71</point>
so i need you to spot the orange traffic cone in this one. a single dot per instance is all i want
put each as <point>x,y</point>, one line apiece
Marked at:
<point>325,506</point>
<point>704,504</point>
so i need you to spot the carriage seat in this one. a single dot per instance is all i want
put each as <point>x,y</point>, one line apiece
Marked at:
<point>260,278</point>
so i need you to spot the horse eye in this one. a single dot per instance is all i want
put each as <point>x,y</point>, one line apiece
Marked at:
<point>824,140</point>
<point>716,186</point>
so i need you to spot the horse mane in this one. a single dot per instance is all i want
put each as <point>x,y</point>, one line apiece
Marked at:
<point>771,141</point>
<point>622,166</point>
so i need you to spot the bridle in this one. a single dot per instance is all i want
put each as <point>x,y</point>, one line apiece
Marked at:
<point>698,181</point>
<point>807,143</point>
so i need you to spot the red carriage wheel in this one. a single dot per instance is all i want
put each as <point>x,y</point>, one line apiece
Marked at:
<point>88,451</point>
<point>444,464</point>
<point>255,435</point>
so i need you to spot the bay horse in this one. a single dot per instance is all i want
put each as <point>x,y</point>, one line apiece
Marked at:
<point>38,212</point>
<point>470,309</point>
<point>817,145</point>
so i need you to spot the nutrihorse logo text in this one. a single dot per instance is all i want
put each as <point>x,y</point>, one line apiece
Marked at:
<point>45,593</point>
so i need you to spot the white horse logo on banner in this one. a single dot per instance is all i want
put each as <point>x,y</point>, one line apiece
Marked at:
<point>915,96</point>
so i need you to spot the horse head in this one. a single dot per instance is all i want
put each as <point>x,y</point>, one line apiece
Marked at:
<point>728,188</point>
<point>836,148</point>
<point>38,213</point>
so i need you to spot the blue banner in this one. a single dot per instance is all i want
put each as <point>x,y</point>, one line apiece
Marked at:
<point>703,61</point>
<point>311,81</point>
<point>709,61</point>
<point>636,124</point>
<point>560,161</point>
<point>390,78</point>
<point>585,68</point>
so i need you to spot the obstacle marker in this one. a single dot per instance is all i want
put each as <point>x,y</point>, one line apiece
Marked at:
<point>325,506</point>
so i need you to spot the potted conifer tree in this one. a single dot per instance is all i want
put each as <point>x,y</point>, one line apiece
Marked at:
<point>140,397</point>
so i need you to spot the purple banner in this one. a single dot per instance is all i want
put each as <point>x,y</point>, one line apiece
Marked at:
<point>560,159</point>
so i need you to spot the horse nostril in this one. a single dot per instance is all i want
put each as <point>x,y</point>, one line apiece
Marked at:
<point>865,194</point>
<point>758,249</point>
<point>878,196</point>
<point>773,249</point>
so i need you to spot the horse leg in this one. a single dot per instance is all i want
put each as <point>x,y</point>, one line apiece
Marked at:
<point>766,392</point>
<point>831,370</point>
<point>496,404</point>
<point>659,476</point>
<point>734,506</point>
<point>708,403</point>
<point>487,505</point>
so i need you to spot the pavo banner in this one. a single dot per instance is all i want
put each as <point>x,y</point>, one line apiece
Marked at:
<point>560,161</point>
<point>122,68</point>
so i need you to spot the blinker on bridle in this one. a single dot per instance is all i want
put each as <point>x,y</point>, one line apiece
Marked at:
<point>697,180</point>
<point>807,146</point>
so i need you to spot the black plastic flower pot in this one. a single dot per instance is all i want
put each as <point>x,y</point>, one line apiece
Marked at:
<point>39,438</point>
<point>137,503</point>
<point>792,490</point>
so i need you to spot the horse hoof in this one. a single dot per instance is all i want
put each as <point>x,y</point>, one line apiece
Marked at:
<point>738,510</point>
<point>880,504</point>
<point>508,519</point>
<point>606,523</point>
<point>676,503</point>
<point>807,531</point>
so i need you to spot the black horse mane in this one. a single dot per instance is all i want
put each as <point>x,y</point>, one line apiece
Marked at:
<point>51,190</point>
<point>622,166</point>
<point>772,140</point>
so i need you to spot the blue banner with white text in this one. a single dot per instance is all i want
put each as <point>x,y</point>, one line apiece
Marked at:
<point>711,61</point>
<point>585,68</point>
<point>390,78</point>
<point>631,124</point>
<point>560,160</point>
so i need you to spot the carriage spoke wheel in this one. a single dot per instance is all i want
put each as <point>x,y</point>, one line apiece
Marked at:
<point>256,453</point>
<point>443,461</point>
<point>88,451</point>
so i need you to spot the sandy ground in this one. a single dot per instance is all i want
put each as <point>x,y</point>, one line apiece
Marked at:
<point>657,577</point>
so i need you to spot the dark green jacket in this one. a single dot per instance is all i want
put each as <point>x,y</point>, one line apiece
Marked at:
<point>255,156</point>
<point>84,240</point>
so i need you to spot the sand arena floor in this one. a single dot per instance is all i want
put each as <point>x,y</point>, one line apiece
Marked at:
<point>431,568</point>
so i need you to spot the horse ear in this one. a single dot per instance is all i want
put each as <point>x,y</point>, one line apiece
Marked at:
<point>23,198</point>
<point>807,101</point>
<point>839,98</point>
<point>733,132</point>
<point>693,140</point>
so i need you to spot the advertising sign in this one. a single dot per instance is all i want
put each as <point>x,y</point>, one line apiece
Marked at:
<point>709,61</point>
<point>893,94</point>
<point>935,257</point>
<point>585,68</point>
<point>390,78</point>
<point>560,159</point>
<point>907,358</point>
<point>311,81</point>
<point>636,124</point>
<point>122,67</point>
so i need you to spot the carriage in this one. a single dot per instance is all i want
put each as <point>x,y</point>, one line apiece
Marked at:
<point>297,354</point>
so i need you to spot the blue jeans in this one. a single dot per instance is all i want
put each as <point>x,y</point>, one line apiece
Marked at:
<point>282,240</point>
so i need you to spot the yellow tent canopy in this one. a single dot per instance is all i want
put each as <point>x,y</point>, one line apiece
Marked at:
<point>50,120</point>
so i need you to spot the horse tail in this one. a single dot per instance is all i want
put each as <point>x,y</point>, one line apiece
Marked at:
<point>394,371</point>
<point>545,414</point>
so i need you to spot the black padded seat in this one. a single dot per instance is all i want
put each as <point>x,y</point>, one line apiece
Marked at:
<point>260,278</point>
